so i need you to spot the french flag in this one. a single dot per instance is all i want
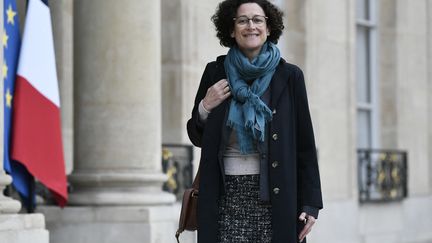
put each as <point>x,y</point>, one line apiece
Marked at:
<point>36,133</point>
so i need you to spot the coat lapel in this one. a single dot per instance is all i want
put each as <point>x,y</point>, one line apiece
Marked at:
<point>278,83</point>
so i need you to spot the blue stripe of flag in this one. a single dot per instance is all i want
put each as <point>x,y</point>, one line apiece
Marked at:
<point>21,179</point>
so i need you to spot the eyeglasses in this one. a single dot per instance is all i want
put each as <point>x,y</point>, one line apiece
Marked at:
<point>258,20</point>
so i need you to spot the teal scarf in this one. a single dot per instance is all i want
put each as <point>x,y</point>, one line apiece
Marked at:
<point>248,114</point>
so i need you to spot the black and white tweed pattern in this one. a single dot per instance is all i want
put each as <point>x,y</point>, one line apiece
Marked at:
<point>243,218</point>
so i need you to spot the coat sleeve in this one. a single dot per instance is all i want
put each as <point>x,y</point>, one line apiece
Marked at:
<point>309,185</point>
<point>195,126</point>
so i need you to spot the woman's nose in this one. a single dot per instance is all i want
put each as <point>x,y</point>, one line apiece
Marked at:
<point>251,24</point>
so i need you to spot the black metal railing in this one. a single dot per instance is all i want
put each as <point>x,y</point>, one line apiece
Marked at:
<point>382,175</point>
<point>177,164</point>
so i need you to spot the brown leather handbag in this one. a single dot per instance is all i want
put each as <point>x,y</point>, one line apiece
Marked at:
<point>188,213</point>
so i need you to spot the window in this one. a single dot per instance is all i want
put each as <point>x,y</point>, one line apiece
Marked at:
<point>382,173</point>
<point>366,74</point>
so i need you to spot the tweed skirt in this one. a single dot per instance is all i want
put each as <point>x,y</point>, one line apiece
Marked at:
<point>243,217</point>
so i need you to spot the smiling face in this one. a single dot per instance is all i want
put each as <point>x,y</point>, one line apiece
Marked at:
<point>252,34</point>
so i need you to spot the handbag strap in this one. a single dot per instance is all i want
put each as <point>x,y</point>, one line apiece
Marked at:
<point>195,183</point>
<point>177,235</point>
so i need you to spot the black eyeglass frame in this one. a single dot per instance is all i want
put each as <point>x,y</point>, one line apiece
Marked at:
<point>249,19</point>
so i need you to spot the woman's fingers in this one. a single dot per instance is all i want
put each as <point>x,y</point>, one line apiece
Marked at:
<point>302,217</point>
<point>222,82</point>
<point>216,94</point>
<point>309,222</point>
<point>226,89</point>
<point>223,85</point>
<point>227,94</point>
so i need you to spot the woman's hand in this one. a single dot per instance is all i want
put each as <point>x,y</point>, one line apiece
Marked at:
<point>309,221</point>
<point>216,94</point>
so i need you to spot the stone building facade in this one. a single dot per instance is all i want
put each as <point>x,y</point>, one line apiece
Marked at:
<point>128,73</point>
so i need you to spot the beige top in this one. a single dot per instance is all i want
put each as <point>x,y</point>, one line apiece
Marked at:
<point>235,163</point>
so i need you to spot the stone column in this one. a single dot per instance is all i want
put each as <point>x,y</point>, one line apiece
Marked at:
<point>117,179</point>
<point>62,21</point>
<point>118,104</point>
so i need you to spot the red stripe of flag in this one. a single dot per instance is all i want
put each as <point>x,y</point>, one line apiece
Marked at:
<point>37,141</point>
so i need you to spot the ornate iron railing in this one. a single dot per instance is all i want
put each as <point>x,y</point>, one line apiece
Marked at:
<point>177,164</point>
<point>382,175</point>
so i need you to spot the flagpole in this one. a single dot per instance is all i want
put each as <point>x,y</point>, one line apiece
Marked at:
<point>31,202</point>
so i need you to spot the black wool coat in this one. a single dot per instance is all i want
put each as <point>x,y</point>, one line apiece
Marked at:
<point>294,181</point>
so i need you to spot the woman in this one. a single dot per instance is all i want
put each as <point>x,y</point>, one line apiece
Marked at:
<point>259,177</point>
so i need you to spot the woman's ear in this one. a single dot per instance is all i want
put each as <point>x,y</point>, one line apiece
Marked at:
<point>232,34</point>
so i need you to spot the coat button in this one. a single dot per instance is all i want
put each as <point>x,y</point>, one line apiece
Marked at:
<point>275,164</point>
<point>274,111</point>
<point>276,190</point>
<point>275,136</point>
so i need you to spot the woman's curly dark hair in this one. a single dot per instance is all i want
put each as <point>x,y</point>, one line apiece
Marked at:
<point>227,10</point>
